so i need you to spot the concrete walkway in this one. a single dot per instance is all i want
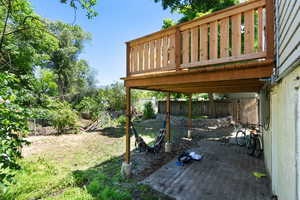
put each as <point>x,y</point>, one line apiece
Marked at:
<point>225,173</point>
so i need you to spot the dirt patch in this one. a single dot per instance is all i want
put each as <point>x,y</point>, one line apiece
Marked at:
<point>145,164</point>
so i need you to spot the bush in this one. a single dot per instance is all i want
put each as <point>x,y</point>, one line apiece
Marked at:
<point>63,118</point>
<point>148,112</point>
<point>121,120</point>
<point>90,106</point>
<point>13,125</point>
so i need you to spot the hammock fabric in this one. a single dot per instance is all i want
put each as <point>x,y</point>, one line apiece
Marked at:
<point>143,147</point>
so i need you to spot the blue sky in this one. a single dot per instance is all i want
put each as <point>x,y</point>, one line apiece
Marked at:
<point>118,21</point>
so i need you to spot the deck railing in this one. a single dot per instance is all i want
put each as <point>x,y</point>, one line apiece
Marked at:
<point>230,35</point>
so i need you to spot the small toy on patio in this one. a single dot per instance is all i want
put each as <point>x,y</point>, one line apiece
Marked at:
<point>259,175</point>
<point>185,158</point>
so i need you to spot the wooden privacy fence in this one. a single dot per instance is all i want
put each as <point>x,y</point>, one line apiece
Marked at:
<point>230,35</point>
<point>241,110</point>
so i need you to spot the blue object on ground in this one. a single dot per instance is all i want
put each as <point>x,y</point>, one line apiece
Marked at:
<point>179,163</point>
<point>164,124</point>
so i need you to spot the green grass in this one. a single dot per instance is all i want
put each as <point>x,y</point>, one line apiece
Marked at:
<point>77,167</point>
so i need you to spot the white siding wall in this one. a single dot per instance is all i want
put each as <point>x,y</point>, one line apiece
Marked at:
<point>280,142</point>
<point>288,33</point>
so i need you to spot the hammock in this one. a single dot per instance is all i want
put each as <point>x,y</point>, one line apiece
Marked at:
<point>143,147</point>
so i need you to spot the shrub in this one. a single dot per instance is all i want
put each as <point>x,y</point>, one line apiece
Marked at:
<point>13,125</point>
<point>102,187</point>
<point>121,120</point>
<point>91,106</point>
<point>63,118</point>
<point>148,112</point>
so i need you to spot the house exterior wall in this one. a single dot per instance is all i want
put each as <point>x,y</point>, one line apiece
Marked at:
<point>280,141</point>
<point>287,34</point>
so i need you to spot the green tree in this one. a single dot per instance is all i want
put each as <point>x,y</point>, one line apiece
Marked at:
<point>70,71</point>
<point>113,96</point>
<point>191,9</point>
<point>167,23</point>
<point>87,5</point>
<point>46,82</point>
<point>24,40</point>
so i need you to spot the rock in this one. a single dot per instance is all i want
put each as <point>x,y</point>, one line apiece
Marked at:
<point>179,121</point>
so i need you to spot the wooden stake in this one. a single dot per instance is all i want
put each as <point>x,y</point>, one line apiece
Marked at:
<point>128,119</point>
<point>168,124</point>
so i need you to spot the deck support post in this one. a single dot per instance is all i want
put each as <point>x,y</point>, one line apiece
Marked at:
<point>126,166</point>
<point>168,147</point>
<point>190,122</point>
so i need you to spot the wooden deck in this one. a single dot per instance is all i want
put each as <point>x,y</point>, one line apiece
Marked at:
<point>231,50</point>
<point>234,44</point>
<point>226,172</point>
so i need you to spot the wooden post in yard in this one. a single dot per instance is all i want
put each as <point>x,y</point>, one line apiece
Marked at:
<point>190,117</point>
<point>168,123</point>
<point>127,128</point>
<point>190,112</point>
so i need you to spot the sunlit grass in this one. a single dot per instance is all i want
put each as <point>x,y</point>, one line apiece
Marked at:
<point>82,167</point>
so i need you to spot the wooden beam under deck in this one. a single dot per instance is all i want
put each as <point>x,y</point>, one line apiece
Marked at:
<point>223,79</point>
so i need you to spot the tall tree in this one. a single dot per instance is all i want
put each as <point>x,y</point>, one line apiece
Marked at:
<point>87,5</point>
<point>24,40</point>
<point>64,61</point>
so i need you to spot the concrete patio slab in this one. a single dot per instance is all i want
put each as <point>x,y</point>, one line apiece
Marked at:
<point>225,173</point>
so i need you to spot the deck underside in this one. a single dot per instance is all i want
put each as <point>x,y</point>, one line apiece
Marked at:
<point>245,77</point>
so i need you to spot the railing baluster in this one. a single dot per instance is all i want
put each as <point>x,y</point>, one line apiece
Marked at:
<point>236,34</point>
<point>146,57</point>
<point>203,42</point>
<point>141,60</point>
<point>249,32</point>
<point>158,54</point>
<point>194,43</point>
<point>224,37</point>
<point>185,46</point>
<point>165,52</point>
<point>131,60</point>
<point>213,38</point>
<point>260,29</point>
<point>178,48</point>
<point>171,51</point>
<point>152,52</point>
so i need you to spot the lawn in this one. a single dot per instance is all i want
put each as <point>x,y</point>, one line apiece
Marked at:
<point>82,166</point>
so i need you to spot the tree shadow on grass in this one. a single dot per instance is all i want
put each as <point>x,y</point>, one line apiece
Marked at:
<point>104,181</point>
